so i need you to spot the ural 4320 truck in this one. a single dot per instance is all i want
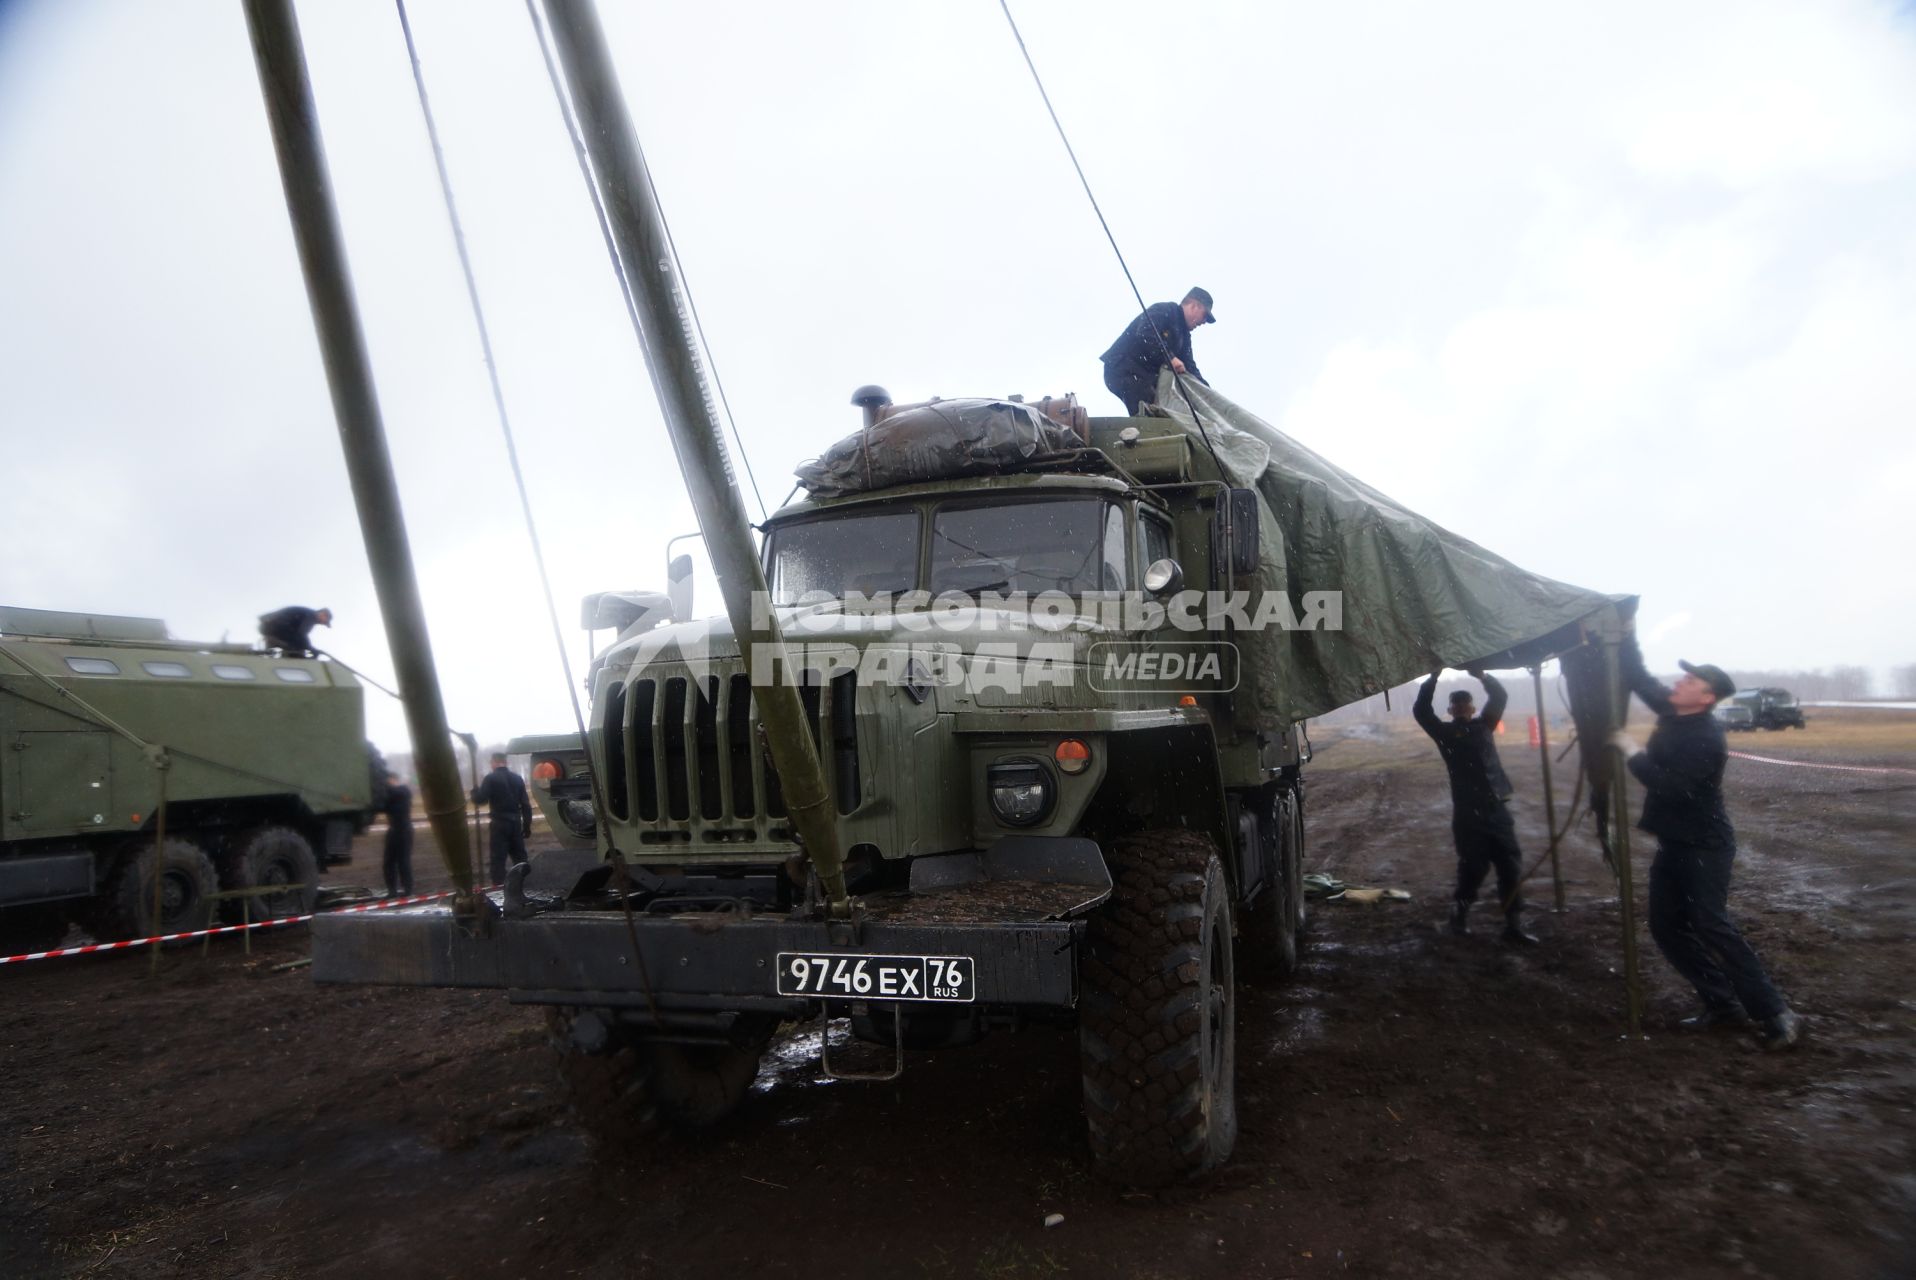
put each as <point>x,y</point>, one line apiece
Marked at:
<point>1000,726</point>
<point>1051,813</point>
<point>268,775</point>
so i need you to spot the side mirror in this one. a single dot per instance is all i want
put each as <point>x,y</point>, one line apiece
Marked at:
<point>678,585</point>
<point>1164,578</point>
<point>618,610</point>
<point>1234,532</point>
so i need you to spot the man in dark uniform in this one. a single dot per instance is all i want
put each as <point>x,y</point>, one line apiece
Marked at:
<point>1160,336</point>
<point>398,864</point>
<point>1479,795</point>
<point>1682,775</point>
<point>290,630</point>
<point>504,792</point>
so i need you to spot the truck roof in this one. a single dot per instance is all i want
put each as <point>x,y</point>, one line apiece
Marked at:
<point>1016,482</point>
<point>109,629</point>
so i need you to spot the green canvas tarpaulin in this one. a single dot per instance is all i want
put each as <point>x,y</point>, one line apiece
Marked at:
<point>1414,595</point>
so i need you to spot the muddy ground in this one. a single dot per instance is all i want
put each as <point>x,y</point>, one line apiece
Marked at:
<point>1413,1105</point>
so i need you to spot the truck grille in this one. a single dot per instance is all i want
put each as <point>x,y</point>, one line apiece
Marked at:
<point>681,753</point>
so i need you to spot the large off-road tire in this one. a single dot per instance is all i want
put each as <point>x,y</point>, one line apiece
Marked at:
<point>186,878</point>
<point>1271,925</point>
<point>1300,901</point>
<point>275,856</point>
<point>1156,1033</point>
<point>628,1090</point>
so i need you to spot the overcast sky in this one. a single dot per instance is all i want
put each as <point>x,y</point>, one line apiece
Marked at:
<point>1624,292</point>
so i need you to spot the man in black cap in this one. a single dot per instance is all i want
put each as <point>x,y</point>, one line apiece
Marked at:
<point>1479,800</point>
<point>504,793</point>
<point>1159,336</point>
<point>290,630</point>
<point>1682,775</point>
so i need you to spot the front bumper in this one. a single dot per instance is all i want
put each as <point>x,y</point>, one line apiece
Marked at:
<point>689,962</point>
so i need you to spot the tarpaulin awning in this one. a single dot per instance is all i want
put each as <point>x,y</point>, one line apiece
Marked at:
<point>1415,596</point>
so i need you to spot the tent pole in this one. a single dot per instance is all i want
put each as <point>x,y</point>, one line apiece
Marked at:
<point>1620,847</point>
<point>1549,793</point>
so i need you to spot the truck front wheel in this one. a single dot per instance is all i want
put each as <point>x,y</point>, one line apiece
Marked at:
<point>186,878</point>
<point>1157,1038</point>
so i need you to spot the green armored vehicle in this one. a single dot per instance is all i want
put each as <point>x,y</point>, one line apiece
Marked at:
<point>268,777</point>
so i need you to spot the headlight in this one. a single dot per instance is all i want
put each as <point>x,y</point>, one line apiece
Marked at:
<point>1021,792</point>
<point>578,817</point>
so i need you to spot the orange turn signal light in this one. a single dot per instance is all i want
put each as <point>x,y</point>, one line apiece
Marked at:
<point>1187,701</point>
<point>546,771</point>
<point>1072,755</point>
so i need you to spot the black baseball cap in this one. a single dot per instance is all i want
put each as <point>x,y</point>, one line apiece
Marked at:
<point>1204,296</point>
<point>1718,680</point>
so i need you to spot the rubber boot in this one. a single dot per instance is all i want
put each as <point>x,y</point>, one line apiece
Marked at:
<point>1514,934</point>
<point>1459,918</point>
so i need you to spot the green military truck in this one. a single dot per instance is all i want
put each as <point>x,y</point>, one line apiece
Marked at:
<point>959,758</point>
<point>1040,826</point>
<point>1763,709</point>
<point>268,776</point>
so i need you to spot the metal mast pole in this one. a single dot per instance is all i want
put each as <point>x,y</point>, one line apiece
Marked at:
<point>1549,794</point>
<point>660,313</point>
<point>281,61</point>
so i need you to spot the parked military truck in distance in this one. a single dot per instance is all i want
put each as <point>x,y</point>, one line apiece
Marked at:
<point>1762,709</point>
<point>1108,855</point>
<point>269,776</point>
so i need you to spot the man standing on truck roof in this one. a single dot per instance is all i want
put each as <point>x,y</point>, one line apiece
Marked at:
<point>398,863</point>
<point>511,805</point>
<point>290,630</point>
<point>1480,800</point>
<point>1161,335</point>
<point>1682,775</point>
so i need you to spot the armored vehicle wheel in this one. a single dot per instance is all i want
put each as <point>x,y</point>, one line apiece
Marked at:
<point>625,1090</point>
<point>1156,1033</point>
<point>186,878</point>
<point>276,855</point>
<point>33,928</point>
<point>1273,923</point>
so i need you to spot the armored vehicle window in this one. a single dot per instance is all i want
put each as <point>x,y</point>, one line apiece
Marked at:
<point>167,670</point>
<point>294,675</point>
<point>93,666</point>
<point>1062,544</point>
<point>227,671</point>
<point>873,553</point>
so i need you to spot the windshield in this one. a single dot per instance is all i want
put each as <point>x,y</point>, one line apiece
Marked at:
<point>1072,545</point>
<point>872,554</point>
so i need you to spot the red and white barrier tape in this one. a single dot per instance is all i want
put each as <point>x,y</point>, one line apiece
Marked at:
<point>1810,764</point>
<point>92,947</point>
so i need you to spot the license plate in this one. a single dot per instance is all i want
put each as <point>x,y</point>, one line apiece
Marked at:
<point>867,977</point>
